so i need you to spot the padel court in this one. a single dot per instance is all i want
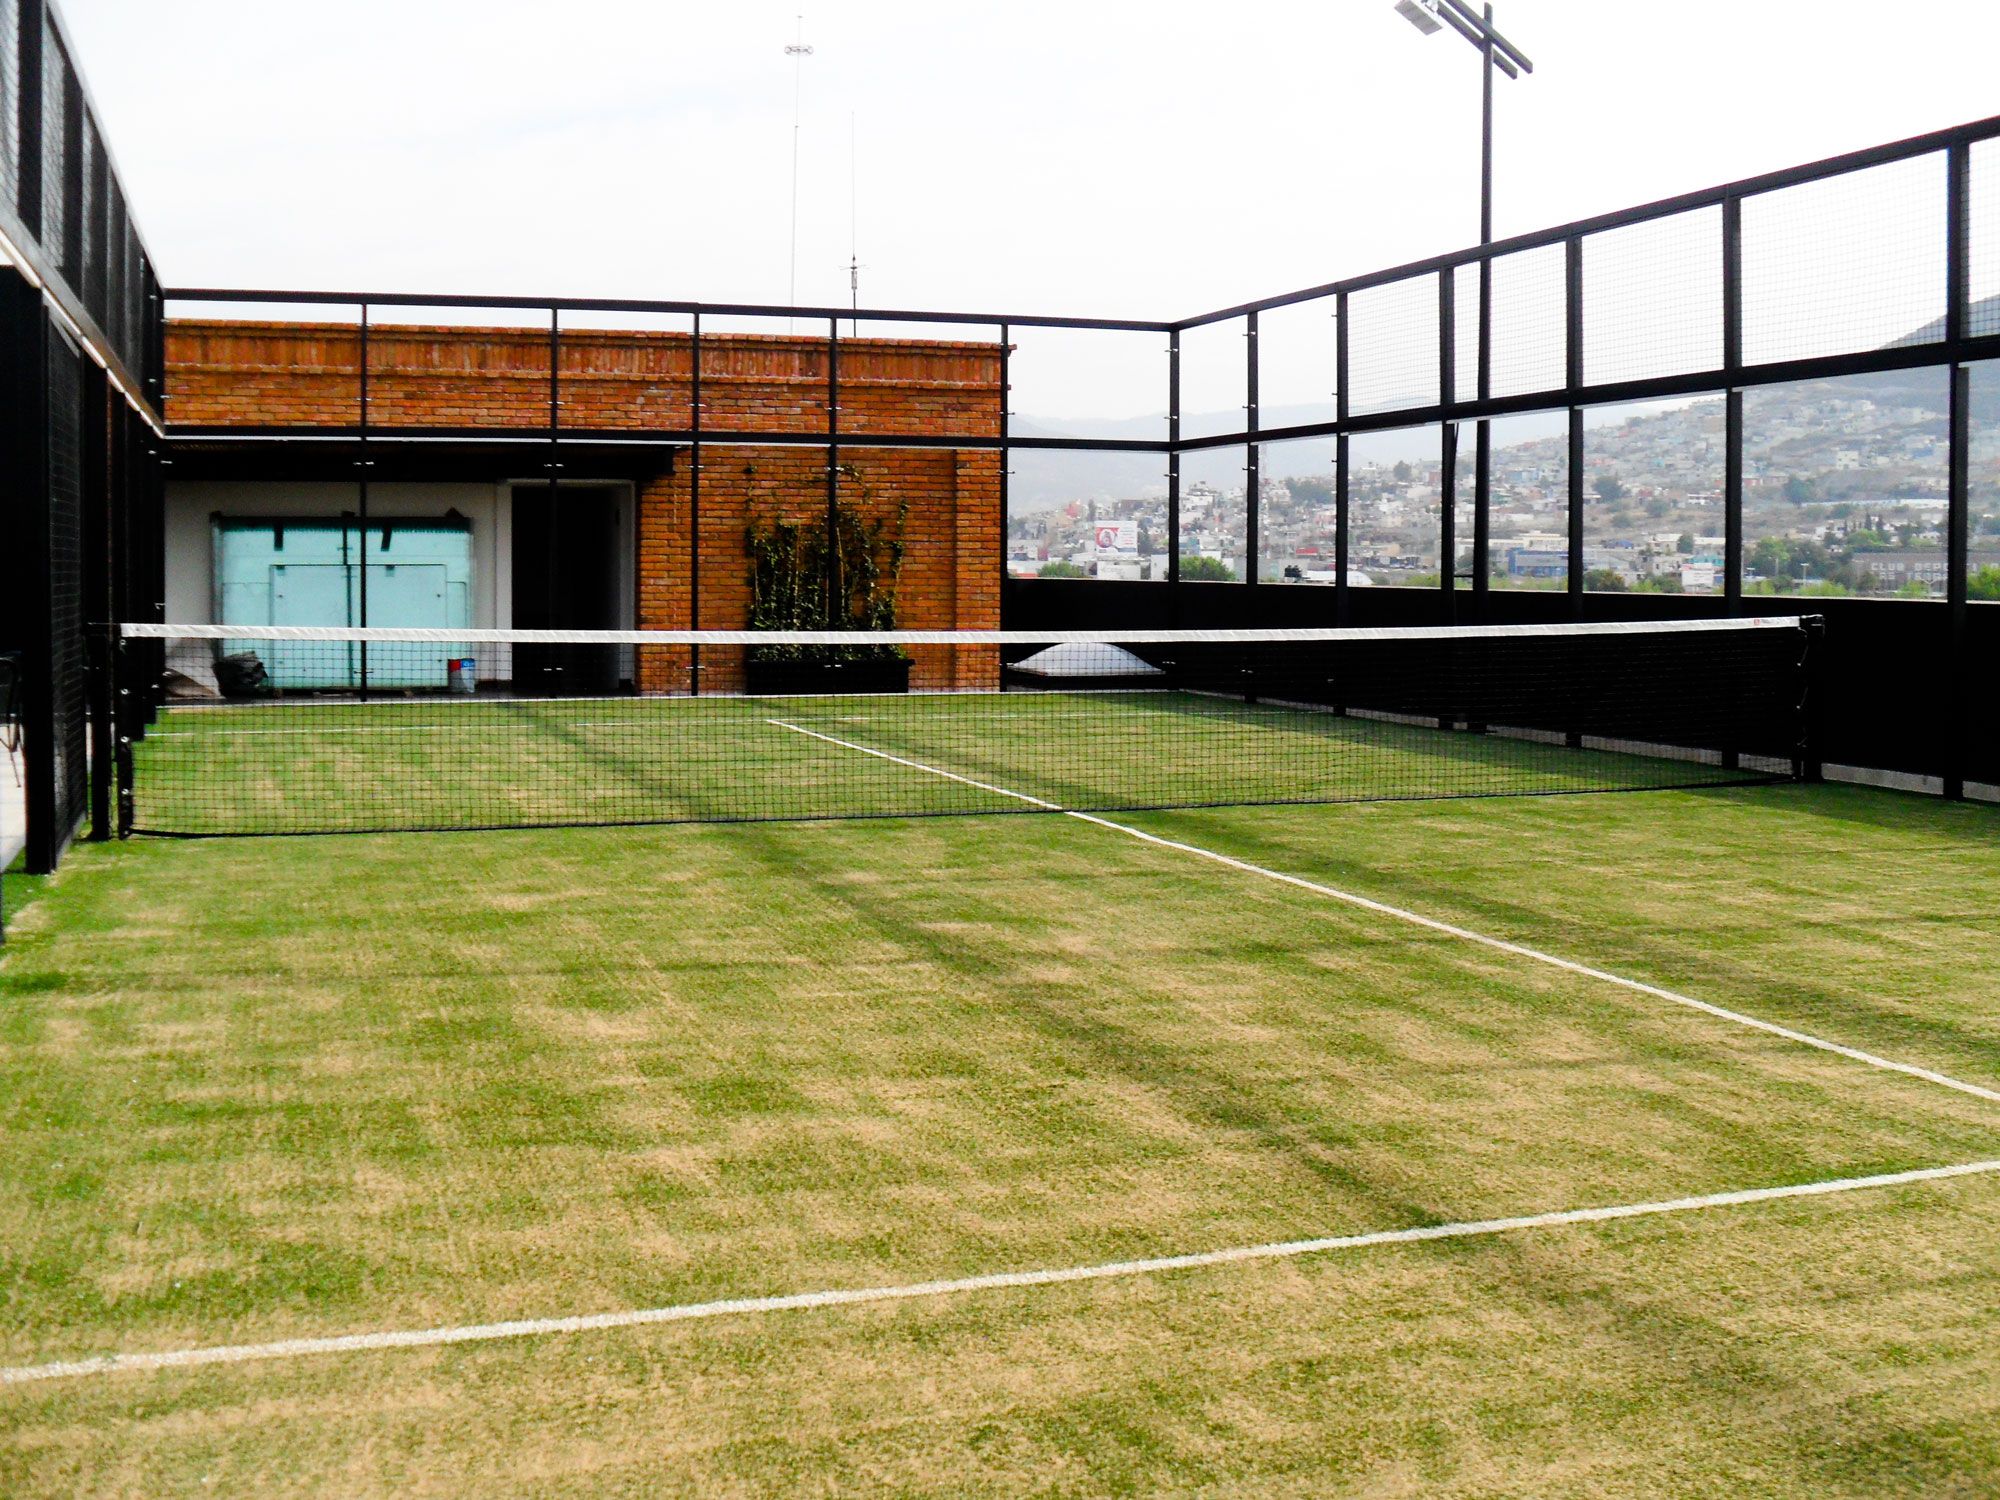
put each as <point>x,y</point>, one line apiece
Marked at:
<point>1258,1135</point>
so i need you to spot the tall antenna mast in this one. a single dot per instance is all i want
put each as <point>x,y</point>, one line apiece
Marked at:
<point>798,52</point>
<point>853,231</point>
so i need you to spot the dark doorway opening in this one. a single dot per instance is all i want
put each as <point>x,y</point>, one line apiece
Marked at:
<point>566,578</point>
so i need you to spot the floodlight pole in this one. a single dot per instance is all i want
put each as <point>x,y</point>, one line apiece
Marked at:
<point>1495,52</point>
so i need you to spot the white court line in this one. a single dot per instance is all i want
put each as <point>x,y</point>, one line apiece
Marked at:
<point>1519,950</point>
<point>686,1312</point>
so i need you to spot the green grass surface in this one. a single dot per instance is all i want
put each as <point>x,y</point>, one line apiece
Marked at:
<point>305,765</point>
<point>252,1090</point>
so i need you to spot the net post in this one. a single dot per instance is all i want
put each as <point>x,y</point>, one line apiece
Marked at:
<point>1807,765</point>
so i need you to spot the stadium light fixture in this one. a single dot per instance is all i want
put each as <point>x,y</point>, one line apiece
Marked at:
<point>1421,14</point>
<point>1433,16</point>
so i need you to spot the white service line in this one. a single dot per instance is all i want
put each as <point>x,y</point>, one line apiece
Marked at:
<point>685,1312</point>
<point>1466,934</point>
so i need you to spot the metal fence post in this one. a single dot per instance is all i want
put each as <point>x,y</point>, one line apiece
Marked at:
<point>1253,497</point>
<point>694,505</point>
<point>1448,442</point>
<point>1573,362</point>
<point>1958,515</point>
<point>1732,405</point>
<point>1174,473</point>
<point>1342,481</point>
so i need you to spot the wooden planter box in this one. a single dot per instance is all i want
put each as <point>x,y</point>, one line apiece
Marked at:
<point>791,678</point>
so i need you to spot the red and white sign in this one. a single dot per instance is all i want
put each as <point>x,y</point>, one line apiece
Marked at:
<point>1117,536</point>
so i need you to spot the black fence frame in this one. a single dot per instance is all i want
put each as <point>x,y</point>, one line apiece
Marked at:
<point>80,511</point>
<point>1957,347</point>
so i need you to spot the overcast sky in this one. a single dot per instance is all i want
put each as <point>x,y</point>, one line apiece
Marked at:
<point>1118,160</point>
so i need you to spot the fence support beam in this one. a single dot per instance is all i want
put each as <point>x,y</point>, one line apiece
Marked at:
<point>1448,444</point>
<point>694,504</point>
<point>1342,483</point>
<point>1958,510</point>
<point>1174,469</point>
<point>1253,494</point>
<point>1573,367</point>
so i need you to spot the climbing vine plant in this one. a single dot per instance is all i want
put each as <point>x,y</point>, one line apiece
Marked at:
<point>803,578</point>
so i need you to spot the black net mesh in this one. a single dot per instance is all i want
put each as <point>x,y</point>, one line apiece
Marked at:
<point>320,731</point>
<point>69,664</point>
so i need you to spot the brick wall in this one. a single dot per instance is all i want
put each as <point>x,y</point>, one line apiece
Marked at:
<point>226,373</point>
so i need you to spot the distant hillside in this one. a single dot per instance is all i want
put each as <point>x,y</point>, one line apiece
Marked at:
<point>1044,479</point>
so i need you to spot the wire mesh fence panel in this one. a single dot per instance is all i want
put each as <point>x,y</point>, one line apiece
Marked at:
<point>1215,506</point>
<point>460,368</point>
<point>10,107</point>
<point>1395,498</point>
<point>1215,385</point>
<point>1297,363</point>
<point>1079,514</point>
<point>239,364</point>
<point>1529,349</point>
<point>1087,383</point>
<point>1652,503</point>
<point>1846,263</point>
<point>57,79</point>
<point>68,659</point>
<point>1652,299</point>
<point>267,735</point>
<point>1298,516</point>
<point>1530,505</point>
<point>1845,485</point>
<point>626,374</point>
<point>1392,346</point>
<point>1983,489</point>
<point>1465,332</point>
<point>1983,262</point>
<point>909,377</point>
<point>1461,439</point>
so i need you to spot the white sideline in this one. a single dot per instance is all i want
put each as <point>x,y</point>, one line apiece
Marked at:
<point>1519,950</point>
<point>416,1338</point>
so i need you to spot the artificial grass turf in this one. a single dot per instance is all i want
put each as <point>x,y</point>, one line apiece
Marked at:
<point>308,1086</point>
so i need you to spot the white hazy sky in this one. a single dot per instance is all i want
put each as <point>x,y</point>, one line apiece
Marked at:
<point>1112,159</point>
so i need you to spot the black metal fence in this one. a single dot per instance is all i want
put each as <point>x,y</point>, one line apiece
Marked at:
<point>80,439</point>
<point>1878,265</point>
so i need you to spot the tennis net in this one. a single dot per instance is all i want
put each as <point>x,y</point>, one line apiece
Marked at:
<point>272,730</point>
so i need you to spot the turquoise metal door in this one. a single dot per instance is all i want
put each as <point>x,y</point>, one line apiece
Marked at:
<point>311,594</point>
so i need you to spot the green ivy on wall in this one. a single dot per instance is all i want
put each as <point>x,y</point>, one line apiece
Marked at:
<point>802,578</point>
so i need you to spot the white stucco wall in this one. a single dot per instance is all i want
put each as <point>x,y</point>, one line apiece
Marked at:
<point>190,544</point>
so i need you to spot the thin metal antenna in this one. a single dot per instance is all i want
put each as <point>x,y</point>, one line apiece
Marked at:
<point>798,52</point>
<point>853,231</point>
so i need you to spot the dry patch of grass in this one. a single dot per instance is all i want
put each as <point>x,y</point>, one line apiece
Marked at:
<point>539,1073</point>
